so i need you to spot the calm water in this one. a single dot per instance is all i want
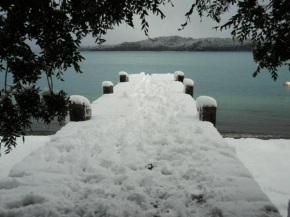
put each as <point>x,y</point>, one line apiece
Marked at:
<point>245,104</point>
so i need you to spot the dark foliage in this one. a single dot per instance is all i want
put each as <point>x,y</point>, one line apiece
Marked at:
<point>266,23</point>
<point>57,27</point>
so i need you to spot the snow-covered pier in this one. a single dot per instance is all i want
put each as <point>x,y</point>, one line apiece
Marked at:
<point>144,152</point>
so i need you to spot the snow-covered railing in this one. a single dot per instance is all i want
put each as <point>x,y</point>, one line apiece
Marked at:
<point>80,108</point>
<point>188,86</point>
<point>206,107</point>
<point>124,77</point>
<point>108,87</point>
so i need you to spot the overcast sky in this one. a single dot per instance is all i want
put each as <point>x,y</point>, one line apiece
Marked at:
<point>166,27</point>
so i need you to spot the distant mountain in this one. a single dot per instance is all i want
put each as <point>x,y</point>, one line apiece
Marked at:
<point>176,43</point>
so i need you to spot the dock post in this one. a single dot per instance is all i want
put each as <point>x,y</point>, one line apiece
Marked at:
<point>207,107</point>
<point>79,108</point>
<point>178,76</point>
<point>188,86</point>
<point>124,77</point>
<point>108,87</point>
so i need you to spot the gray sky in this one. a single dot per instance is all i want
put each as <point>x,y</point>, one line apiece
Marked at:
<point>166,27</point>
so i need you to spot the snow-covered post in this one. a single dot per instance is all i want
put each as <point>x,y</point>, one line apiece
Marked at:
<point>188,86</point>
<point>178,76</point>
<point>206,107</point>
<point>107,87</point>
<point>79,108</point>
<point>124,77</point>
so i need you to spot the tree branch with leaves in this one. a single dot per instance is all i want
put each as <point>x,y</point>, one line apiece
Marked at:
<point>57,27</point>
<point>266,23</point>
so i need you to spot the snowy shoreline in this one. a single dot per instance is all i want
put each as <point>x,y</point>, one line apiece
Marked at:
<point>233,135</point>
<point>254,136</point>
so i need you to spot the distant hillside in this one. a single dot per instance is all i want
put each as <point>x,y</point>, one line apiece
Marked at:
<point>176,43</point>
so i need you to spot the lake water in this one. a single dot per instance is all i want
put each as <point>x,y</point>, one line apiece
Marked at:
<point>245,104</point>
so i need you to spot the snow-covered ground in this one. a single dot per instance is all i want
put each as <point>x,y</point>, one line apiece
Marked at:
<point>269,163</point>
<point>143,153</point>
<point>267,160</point>
<point>7,161</point>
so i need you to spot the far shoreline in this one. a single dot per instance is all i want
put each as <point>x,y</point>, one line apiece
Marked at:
<point>176,43</point>
<point>188,51</point>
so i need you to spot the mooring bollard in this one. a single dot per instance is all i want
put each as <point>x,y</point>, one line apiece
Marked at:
<point>188,86</point>
<point>206,107</point>
<point>108,87</point>
<point>124,77</point>
<point>178,76</point>
<point>79,108</point>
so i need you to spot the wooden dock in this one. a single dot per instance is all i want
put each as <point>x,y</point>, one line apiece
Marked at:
<point>144,152</point>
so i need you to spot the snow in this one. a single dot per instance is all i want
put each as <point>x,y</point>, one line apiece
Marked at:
<point>178,73</point>
<point>247,150</point>
<point>27,87</point>
<point>77,99</point>
<point>205,101</point>
<point>123,73</point>
<point>10,88</point>
<point>188,82</point>
<point>3,96</point>
<point>24,88</point>
<point>7,161</point>
<point>268,162</point>
<point>46,92</point>
<point>143,153</point>
<point>107,84</point>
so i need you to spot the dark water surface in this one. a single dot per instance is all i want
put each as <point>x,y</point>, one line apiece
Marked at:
<point>245,105</point>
